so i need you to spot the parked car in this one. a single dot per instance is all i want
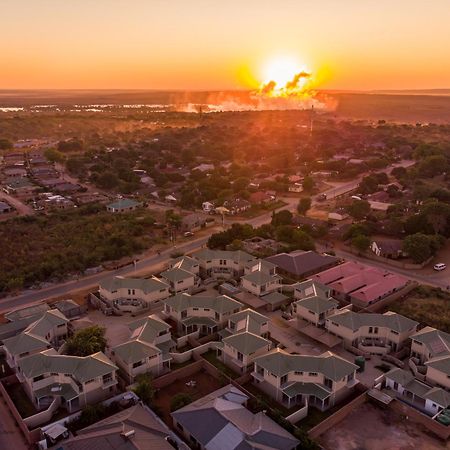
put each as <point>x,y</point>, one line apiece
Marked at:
<point>188,234</point>
<point>440,266</point>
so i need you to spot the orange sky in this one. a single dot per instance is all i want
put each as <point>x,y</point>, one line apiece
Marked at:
<point>222,44</point>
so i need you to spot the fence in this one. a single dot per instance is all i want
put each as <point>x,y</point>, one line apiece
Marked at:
<point>382,304</point>
<point>337,417</point>
<point>43,416</point>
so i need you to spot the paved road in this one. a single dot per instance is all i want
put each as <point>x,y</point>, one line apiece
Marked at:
<point>156,262</point>
<point>22,208</point>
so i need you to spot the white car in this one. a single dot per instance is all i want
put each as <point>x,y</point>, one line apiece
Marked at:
<point>439,267</point>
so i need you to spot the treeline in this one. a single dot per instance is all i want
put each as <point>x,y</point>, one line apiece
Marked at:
<point>41,248</point>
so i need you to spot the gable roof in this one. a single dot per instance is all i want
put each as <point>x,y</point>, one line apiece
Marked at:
<point>207,254</point>
<point>176,274</point>
<point>437,342</point>
<point>260,277</point>
<point>184,262</point>
<point>246,342</point>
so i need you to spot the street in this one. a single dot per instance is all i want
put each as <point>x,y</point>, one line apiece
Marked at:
<point>22,208</point>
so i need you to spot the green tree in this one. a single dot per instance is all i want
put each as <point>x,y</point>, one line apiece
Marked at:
<point>144,388</point>
<point>283,217</point>
<point>180,400</point>
<point>359,209</point>
<point>418,246</point>
<point>308,184</point>
<point>87,341</point>
<point>304,205</point>
<point>361,243</point>
<point>5,144</point>
<point>54,155</point>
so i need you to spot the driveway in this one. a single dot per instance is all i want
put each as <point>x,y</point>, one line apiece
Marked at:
<point>22,208</point>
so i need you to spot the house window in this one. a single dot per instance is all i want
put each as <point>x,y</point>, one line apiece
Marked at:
<point>370,330</point>
<point>394,332</point>
<point>207,309</point>
<point>195,309</point>
<point>38,378</point>
<point>313,374</point>
<point>137,364</point>
<point>298,372</point>
<point>240,356</point>
<point>283,379</point>
<point>90,381</point>
<point>217,316</point>
<point>183,314</point>
<point>375,330</point>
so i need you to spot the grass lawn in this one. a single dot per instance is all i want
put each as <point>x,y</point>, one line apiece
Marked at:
<point>427,305</point>
<point>210,356</point>
<point>21,400</point>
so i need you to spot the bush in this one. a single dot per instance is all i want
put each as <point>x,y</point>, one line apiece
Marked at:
<point>180,400</point>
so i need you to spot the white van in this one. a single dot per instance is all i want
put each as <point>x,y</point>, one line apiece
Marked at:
<point>440,266</point>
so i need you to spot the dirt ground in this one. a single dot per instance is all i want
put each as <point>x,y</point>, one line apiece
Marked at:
<point>205,384</point>
<point>371,428</point>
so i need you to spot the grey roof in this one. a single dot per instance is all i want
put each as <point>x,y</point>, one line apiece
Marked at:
<point>64,390</point>
<point>439,396</point>
<point>317,304</point>
<point>124,203</point>
<point>147,285</point>
<point>402,377</point>
<point>239,256</point>
<point>300,263</point>
<point>274,298</point>
<point>25,342</point>
<point>281,363</point>
<point>306,389</point>
<point>220,304</point>
<point>436,341</point>
<point>391,320</point>
<point>199,320</point>
<point>135,350</point>
<point>184,262</point>
<point>148,328</point>
<point>82,368</point>
<point>174,275</point>
<point>107,434</point>
<point>441,363</point>
<point>220,421</point>
<point>26,312</point>
<point>249,314</point>
<point>11,329</point>
<point>310,288</point>
<point>246,342</point>
<point>48,321</point>
<point>260,278</point>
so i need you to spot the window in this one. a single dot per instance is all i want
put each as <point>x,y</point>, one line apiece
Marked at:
<point>90,381</point>
<point>38,378</point>
<point>335,324</point>
<point>183,314</point>
<point>137,364</point>
<point>375,330</point>
<point>313,374</point>
<point>283,379</point>
<point>217,316</point>
<point>297,372</point>
<point>162,290</point>
<point>207,309</point>
<point>370,330</point>
<point>394,332</point>
<point>195,309</point>
<point>240,356</point>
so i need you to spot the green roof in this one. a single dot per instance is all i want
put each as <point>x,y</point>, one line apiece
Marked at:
<point>310,288</point>
<point>391,320</point>
<point>82,368</point>
<point>135,350</point>
<point>48,321</point>
<point>255,316</point>
<point>306,389</point>
<point>124,203</point>
<point>174,275</point>
<point>185,263</point>
<point>281,363</point>
<point>246,343</point>
<point>18,314</point>
<point>437,342</point>
<point>220,304</point>
<point>196,320</point>
<point>146,285</point>
<point>25,342</point>
<point>317,304</point>
<point>402,377</point>
<point>439,396</point>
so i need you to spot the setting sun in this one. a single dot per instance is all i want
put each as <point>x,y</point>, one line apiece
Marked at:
<point>281,70</point>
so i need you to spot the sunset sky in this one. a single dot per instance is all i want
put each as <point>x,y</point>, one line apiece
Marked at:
<point>222,44</point>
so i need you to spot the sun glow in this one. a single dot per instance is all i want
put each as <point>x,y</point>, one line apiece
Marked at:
<point>281,70</point>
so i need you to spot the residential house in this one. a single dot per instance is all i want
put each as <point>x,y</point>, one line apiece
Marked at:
<point>146,351</point>
<point>320,381</point>
<point>301,264</point>
<point>196,312</point>
<point>221,420</point>
<point>428,399</point>
<point>20,187</point>
<point>222,263</point>
<point>372,333</point>
<point>431,347</point>
<point>123,205</point>
<point>48,331</point>
<point>338,215</point>
<point>132,295</point>
<point>261,278</point>
<point>387,248</point>
<point>5,208</point>
<point>193,222</point>
<point>296,187</point>
<point>313,302</point>
<point>259,198</point>
<point>179,280</point>
<point>360,284</point>
<point>73,381</point>
<point>244,339</point>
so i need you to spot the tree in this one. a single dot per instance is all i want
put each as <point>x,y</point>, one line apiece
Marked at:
<point>359,209</point>
<point>87,341</point>
<point>361,243</point>
<point>283,217</point>
<point>303,205</point>
<point>5,144</point>
<point>144,388</point>
<point>54,155</point>
<point>419,247</point>
<point>107,180</point>
<point>180,400</point>
<point>308,184</point>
